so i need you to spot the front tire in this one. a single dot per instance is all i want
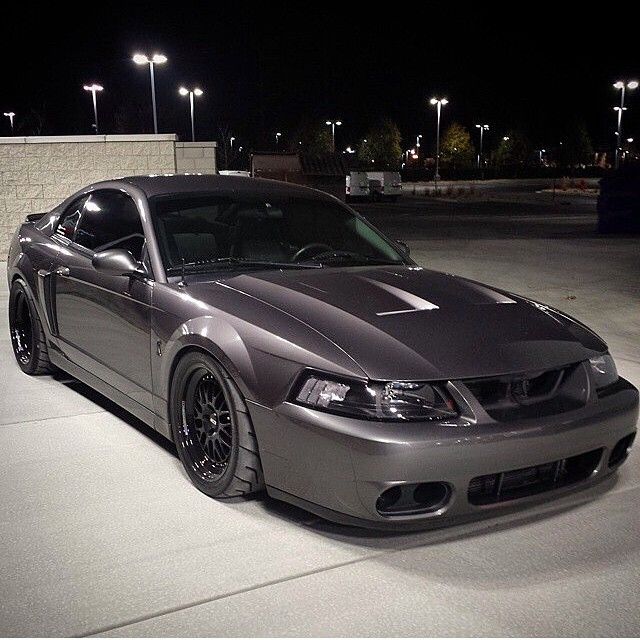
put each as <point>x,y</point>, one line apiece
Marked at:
<point>27,336</point>
<point>212,429</point>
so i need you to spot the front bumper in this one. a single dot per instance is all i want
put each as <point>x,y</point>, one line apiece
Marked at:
<point>338,467</point>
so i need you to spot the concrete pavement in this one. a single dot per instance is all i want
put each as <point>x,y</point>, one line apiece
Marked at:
<point>103,534</point>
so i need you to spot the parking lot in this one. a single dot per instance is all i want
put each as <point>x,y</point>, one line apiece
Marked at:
<point>103,534</point>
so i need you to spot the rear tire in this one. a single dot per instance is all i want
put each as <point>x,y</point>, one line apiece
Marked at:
<point>27,336</point>
<point>212,429</point>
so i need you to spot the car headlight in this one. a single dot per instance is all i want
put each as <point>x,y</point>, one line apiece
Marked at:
<point>604,370</point>
<point>391,401</point>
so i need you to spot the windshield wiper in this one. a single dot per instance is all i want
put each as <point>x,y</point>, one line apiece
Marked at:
<point>203,265</point>
<point>343,256</point>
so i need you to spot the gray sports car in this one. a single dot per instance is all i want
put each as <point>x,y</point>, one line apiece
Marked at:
<point>282,342</point>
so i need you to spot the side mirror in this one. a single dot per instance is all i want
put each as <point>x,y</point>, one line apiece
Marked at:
<point>117,262</point>
<point>404,248</point>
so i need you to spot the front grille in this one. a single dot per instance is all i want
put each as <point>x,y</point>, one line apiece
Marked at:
<point>535,395</point>
<point>511,485</point>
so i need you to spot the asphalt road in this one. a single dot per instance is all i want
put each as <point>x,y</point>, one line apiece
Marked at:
<point>102,533</point>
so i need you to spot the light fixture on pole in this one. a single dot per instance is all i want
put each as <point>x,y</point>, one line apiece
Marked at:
<point>231,139</point>
<point>438,103</point>
<point>540,152</point>
<point>94,88</point>
<point>418,138</point>
<point>622,85</point>
<point>191,92</point>
<point>157,58</point>
<point>11,115</point>
<point>278,136</point>
<point>483,128</point>
<point>333,124</point>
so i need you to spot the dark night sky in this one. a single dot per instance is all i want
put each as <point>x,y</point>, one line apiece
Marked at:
<point>266,70</point>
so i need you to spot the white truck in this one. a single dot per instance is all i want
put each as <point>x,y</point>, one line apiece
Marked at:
<point>374,185</point>
<point>357,184</point>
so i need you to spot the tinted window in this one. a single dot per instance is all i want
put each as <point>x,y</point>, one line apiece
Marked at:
<point>202,228</point>
<point>69,219</point>
<point>110,220</point>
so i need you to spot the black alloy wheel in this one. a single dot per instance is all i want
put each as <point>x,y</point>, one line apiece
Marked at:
<point>207,424</point>
<point>212,429</point>
<point>27,337</point>
<point>21,333</point>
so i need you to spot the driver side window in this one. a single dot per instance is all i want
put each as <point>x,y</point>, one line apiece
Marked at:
<point>110,220</point>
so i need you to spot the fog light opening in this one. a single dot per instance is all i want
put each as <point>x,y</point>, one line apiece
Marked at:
<point>412,499</point>
<point>621,450</point>
<point>388,498</point>
<point>432,495</point>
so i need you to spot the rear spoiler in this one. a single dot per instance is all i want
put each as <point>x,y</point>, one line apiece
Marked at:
<point>34,217</point>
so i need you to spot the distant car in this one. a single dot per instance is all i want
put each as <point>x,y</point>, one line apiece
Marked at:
<point>282,342</point>
<point>619,201</point>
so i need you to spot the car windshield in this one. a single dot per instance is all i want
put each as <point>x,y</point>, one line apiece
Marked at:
<point>204,232</point>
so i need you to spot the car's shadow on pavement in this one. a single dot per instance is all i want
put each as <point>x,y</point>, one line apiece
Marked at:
<point>507,518</point>
<point>115,409</point>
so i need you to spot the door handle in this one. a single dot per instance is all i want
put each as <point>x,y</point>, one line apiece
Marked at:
<point>62,271</point>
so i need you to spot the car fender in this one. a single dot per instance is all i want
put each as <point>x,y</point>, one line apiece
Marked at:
<point>228,349</point>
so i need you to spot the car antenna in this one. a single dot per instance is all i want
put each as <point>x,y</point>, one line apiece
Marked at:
<point>183,282</point>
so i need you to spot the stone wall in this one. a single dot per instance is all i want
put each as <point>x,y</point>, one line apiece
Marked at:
<point>196,157</point>
<point>36,173</point>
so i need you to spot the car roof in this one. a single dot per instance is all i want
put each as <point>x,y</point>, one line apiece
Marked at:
<point>173,184</point>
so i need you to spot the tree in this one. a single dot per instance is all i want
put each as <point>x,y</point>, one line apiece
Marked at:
<point>456,149</point>
<point>315,138</point>
<point>576,148</point>
<point>515,150</point>
<point>383,145</point>
<point>364,153</point>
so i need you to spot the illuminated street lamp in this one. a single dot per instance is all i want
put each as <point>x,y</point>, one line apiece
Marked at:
<point>333,124</point>
<point>157,58</point>
<point>483,128</point>
<point>191,92</point>
<point>231,141</point>
<point>540,152</point>
<point>622,85</point>
<point>94,88</point>
<point>278,136</point>
<point>505,138</point>
<point>11,115</point>
<point>418,138</point>
<point>438,103</point>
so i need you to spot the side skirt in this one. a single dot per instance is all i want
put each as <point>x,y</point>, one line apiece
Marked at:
<point>133,407</point>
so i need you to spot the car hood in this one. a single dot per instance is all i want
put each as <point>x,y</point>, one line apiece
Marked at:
<point>410,323</point>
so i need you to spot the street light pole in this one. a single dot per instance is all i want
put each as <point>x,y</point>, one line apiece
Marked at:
<point>157,58</point>
<point>11,115</point>
<point>483,128</point>
<point>439,103</point>
<point>191,92</point>
<point>94,88</point>
<point>622,85</point>
<point>333,124</point>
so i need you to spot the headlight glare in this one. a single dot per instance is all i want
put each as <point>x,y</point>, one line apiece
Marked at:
<point>390,401</point>
<point>604,370</point>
